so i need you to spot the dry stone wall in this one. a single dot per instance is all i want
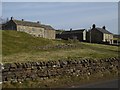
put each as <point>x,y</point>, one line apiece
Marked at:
<point>20,72</point>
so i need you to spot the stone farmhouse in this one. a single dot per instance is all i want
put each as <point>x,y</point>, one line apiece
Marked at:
<point>99,35</point>
<point>33,28</point>
<point>79,34</point>
<point>94,35</point>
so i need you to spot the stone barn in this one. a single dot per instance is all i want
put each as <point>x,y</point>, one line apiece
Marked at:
<point>79,34</point>
<point>34,28</point>
<point>99,35</point>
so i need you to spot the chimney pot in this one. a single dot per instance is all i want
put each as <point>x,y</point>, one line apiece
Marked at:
<point>11,18</point>
<point>93,26</point>
<point>104,27</point>
<point>70,29</point>
<point>22,19</point>
<point>38,22</point>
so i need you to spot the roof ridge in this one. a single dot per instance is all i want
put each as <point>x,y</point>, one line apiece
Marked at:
<point>25,21</point>
<point>103,30</point>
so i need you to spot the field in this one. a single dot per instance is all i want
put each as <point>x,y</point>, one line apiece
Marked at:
<point>22,47</point>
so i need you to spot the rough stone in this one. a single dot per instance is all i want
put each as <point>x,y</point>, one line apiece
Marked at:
<point>45,70</point>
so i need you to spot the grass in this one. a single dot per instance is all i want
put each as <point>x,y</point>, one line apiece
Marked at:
<point>14,42</point>
<point>21,47</point>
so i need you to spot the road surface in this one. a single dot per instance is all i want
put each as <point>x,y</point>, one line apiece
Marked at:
<point>102,84</point>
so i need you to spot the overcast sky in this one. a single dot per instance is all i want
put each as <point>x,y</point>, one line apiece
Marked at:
<point>60,0</point>
<point>66,15</point>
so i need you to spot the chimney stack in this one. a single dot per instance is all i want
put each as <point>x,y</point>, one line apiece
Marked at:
<point>70,29</point>
<point>38,22</point>
<point>22,19</point>
<point>104,27</point>
<point>93,26</point>
<point>11,18</point>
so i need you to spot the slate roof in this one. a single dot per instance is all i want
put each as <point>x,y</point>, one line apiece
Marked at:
<point>26,23</point>
<point>33,24</point>
<point>103,30</point>
<point>47,27</point>
<point>73,31</point>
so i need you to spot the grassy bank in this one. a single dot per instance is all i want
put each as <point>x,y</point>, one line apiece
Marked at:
<point>21,47</point>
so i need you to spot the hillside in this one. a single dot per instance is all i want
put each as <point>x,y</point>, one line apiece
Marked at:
<point>21,47</point>
<point>14,42</point>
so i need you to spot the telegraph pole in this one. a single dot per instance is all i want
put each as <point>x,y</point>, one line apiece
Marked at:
<point>90,34</point>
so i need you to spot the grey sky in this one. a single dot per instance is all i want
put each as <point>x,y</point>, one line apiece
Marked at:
<point>60,0</point>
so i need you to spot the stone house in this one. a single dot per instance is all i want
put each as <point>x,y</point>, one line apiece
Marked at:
<point>33,28</point>
<point>79,34</point>
<point>99,35</point>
